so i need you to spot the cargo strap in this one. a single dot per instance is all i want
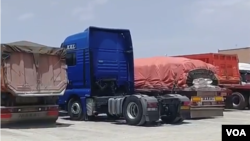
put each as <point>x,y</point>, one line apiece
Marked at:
<point>36,59</point>
<point>1,56</point>
<point>36,62</point>
<point>52,78</point>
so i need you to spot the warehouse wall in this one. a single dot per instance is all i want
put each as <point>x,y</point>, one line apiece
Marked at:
<point>243,53</point>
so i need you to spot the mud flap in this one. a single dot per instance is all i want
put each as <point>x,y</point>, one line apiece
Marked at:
<point>184,112</point>
<point>148,115</point>
<point>228,102</point>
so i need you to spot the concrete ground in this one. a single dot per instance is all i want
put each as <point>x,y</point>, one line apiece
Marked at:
<point>65,130</point>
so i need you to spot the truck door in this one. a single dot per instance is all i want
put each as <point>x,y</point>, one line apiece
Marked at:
<point>71,63</point>
<point>75,67</point>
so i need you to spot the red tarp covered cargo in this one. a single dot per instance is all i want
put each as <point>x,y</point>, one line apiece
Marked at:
<point>161,72</point>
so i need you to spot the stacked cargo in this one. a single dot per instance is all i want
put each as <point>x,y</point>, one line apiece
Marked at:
<point>229,77</point>
<point>192,78</point>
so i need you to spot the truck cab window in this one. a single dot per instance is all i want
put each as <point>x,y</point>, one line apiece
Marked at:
<point>245,76</point>
<point>71,59</point>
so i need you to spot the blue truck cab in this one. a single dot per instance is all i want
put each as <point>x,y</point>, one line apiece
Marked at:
<point>101,80</point>
<point>100,64</point>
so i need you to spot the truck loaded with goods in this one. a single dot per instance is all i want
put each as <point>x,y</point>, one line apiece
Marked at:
<point>32,79</point>
<point>192,78</point>
<point>231,75</point>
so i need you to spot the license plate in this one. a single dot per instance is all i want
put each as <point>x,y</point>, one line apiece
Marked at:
<point>219,98</point>
<point>206,103</point>
<point>184,107</point>
<point>28,115</point>
<point>208,99</point>
<point>196,99</point>
<point>28,109</point>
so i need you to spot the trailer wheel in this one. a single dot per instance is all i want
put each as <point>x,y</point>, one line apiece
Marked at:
<point>75,109</point>
<point>172,119</point>
<point>248,102</point>
<point>239,101</point>
<point>132,111</point>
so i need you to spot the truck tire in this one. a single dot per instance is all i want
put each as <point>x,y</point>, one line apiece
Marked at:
<point>75,109</point>
<point>248,102</point>
<point>172,120</point>
<point>239,101</point>
<point>132,110</point>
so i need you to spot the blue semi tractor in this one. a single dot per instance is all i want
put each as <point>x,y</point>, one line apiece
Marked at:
<point>101,81</point>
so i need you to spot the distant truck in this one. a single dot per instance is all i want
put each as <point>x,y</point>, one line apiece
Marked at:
<point>192,78</point>
<point>244,73</point>
<point>229,76</point>
<point>101,81</point>
<point>32,79</point>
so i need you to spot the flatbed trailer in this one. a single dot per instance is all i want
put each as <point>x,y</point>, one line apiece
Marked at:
<point>101,80</point>
<point>231,76</point>
<point>192,78</point>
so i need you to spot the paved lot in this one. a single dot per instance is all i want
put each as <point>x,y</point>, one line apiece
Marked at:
<point>65,130</point>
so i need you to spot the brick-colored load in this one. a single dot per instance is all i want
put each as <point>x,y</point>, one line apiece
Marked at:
<point>226,64</point>
<point>32,70</point>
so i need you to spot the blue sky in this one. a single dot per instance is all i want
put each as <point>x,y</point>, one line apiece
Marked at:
<point>159,27</point>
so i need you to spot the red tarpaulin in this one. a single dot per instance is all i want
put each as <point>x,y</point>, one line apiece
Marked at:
<point>161,72</point>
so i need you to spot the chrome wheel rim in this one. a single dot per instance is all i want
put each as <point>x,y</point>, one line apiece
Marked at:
<point>132,110</point>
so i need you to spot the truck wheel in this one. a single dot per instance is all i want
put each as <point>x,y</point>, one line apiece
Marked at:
<point>132,111</point>
<point>239,101</point>
<point>248,102</point>
<point>172,120</point>
<point>75,109</point>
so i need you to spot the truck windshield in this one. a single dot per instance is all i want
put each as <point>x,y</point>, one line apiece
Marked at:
<point>245,76</point>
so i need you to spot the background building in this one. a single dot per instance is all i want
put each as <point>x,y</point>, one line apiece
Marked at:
<point>243,53</point>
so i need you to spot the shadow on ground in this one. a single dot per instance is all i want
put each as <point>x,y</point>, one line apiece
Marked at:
<point>34,125</point>
<point>233,110</point>
<point>153,124</point>
<point>201,118</point>
<point>230,110</point>
<point>123,122</point>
